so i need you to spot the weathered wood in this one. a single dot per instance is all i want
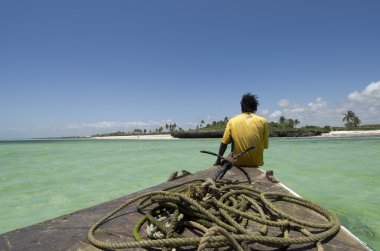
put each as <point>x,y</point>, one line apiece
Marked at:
<point>69,232</point>
<point>175,176</point>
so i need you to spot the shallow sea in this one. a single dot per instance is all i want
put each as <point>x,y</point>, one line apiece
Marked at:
<point>43,179</point>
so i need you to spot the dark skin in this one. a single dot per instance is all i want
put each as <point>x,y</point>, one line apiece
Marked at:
<point>222,150</point>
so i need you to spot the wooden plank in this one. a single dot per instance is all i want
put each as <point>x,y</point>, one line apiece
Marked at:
<point>69,232</point>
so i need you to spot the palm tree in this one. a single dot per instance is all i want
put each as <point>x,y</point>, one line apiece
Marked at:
<point>351,119</point>
<point>290,122</point>
<point>296,122</point>
<point>282,120</point>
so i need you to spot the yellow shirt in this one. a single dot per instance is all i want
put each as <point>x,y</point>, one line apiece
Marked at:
<point>244,131</point>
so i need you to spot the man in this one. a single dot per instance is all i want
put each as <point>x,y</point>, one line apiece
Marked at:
<point>244,131</point>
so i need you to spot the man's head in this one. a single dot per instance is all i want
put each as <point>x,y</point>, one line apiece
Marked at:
<point>249,103</point>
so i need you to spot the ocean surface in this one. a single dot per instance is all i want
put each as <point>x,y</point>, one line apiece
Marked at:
<point>43,179</point>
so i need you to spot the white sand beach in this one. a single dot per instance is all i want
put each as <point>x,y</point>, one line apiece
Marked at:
<point>351,133</point>
<point>156,136</point>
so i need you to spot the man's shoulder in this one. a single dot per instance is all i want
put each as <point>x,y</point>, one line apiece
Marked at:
<point>244,116</point>
<point>260,118</point>
<point>237,117</point>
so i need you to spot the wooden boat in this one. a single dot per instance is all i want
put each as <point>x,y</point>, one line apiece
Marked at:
<point>70,232</point>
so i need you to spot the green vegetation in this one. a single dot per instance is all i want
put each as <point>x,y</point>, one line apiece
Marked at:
<point>351,119</point>
<point>283,128</point>
<point>168,129</point>
<point>283,124</point>
<point>359,127</point>
<point>353,123</point>
<point>213,126</point>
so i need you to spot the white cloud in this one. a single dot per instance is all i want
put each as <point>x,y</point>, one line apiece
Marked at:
<point>369,96</point>
<point>317,104</point>
<point>275,114</point>
<point>289,107</point>
<point>87,129</point>
<point>296,110</point>
<point>365,104</point>
<point>284,103</point>
<point>112,125</point>
<point>264,112</point>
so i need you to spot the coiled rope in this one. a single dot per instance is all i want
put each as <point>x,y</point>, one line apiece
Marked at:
<point>224,214</point>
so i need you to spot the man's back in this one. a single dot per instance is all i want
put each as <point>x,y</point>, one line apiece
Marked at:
<point>247,130</point>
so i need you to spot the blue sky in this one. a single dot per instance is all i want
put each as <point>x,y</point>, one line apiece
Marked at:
<point>83,67</point>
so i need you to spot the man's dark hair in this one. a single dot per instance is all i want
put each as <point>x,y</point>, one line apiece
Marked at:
<point>249,103</point>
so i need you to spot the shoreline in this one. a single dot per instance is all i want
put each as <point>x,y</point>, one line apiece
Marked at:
<point>351,133</point>
<point>358,133</point>
<point>155,136</point>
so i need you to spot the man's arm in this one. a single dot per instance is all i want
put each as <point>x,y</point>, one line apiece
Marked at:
<point>222,149</point>
<point>266,135</point>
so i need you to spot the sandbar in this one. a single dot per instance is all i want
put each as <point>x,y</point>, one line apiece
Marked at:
<point>351,133</point>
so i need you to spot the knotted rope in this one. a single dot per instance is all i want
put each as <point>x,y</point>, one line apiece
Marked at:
<point>220,214</point>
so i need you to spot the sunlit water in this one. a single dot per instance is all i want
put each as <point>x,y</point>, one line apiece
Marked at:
<point>42,179</point>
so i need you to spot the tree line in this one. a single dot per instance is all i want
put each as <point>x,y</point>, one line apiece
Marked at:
<point>350,119</point>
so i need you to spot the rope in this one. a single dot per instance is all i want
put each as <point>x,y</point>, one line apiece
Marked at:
<point>220,214</point>
<point>214,230</point>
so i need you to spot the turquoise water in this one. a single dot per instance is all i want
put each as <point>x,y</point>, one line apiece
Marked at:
<point>42,179</point>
